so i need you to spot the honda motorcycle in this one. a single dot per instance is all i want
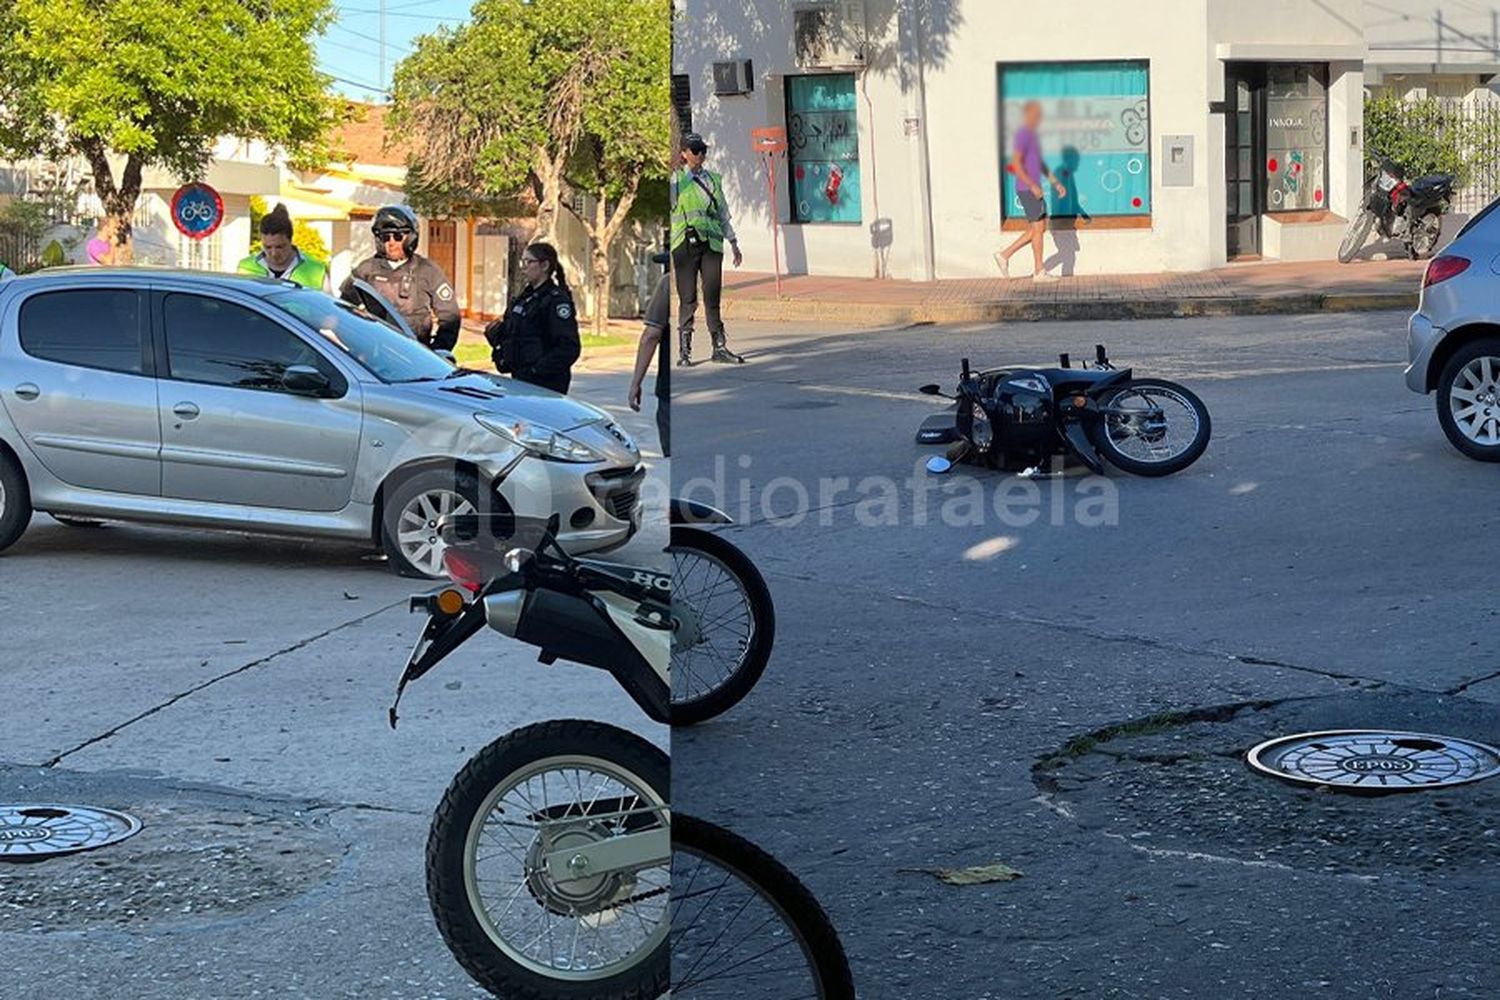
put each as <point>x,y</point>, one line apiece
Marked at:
<point>1020,417</point>
<point>1410,212</point>
<point>553,866</point>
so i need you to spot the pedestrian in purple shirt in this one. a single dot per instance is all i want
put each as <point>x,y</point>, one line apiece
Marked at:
<point>1026,163</point>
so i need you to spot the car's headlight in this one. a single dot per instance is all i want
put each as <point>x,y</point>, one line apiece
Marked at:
<point>538,438</point>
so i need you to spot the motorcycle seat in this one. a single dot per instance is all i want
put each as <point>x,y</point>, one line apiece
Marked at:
<point>1433,182</point>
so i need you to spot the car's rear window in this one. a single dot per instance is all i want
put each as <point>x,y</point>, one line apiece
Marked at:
<point>88,327</point>
<point>1486,210</point>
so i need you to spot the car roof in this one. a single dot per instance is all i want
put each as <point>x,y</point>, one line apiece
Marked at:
<point>84,275</point>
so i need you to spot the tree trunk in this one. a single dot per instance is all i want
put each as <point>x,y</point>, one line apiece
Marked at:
<point>118,199</point>
<point>549,178</point>
<point>602,230</point>
<point>600,263</point>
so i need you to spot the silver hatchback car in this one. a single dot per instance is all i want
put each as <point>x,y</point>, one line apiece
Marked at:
<point>221,401</point>
<point>1453,339</point>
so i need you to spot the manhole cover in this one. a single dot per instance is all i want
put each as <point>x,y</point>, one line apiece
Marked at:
<point>40,831</point>
<point>1375,761</point>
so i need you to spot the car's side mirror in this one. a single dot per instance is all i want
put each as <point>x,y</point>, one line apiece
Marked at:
<point>305,380</point>
<point>931,389</point>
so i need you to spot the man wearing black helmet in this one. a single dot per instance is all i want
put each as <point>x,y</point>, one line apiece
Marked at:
<point>416,286</point>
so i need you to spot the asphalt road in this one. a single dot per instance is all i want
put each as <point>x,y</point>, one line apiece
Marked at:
<point>1327,564</point>
<point>232,692</point>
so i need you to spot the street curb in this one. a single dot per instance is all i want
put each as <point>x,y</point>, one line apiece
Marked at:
<point>874,314</point>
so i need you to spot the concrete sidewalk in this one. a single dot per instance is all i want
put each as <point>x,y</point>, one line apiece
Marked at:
<point>1240,289</point>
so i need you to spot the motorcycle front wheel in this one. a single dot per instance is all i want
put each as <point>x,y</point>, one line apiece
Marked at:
<point>723,625</point>
<point>1355,236</point>
<point>520,933</point>
<point>1152,427</point>
<point>743,926</point>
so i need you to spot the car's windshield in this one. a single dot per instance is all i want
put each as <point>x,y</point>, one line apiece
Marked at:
<point>387,354</point>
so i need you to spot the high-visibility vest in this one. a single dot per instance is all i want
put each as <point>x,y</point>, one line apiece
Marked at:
<point>693,207</point>
<point>309,272</point>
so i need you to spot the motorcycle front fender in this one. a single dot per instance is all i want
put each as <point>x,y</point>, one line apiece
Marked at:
<point>684,511</point>
<point>1076,436</point>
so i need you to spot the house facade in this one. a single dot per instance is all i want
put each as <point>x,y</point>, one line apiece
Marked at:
<point>1187,133</point>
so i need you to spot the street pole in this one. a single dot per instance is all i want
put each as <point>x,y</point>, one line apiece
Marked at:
<point>912,86</point>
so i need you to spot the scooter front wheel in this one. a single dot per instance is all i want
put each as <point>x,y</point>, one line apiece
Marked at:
<point>544,791</point>
<point>1152,427</point>
<point>723,625</point>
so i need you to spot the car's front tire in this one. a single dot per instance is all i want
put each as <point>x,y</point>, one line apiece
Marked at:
<point>410,515</point>
<point>15,500</point>
<point>1468,399</point>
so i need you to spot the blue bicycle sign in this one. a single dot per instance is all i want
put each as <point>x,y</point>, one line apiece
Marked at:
<point>197,210</point>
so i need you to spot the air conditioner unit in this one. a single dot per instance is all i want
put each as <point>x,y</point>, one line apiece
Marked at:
<point>737,77</point>
<point>830,35</point>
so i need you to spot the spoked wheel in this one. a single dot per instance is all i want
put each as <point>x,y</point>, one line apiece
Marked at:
<point>523,809</point>
<point>1425,236</point>
<point>743,926</point>
<point>1468,399</point>
<point>1153,427</point>
<point>723,625</point>
<point>1355,236</point>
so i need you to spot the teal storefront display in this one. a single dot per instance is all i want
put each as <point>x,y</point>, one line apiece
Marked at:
<point>822,132</point>
<point>1095,135</point>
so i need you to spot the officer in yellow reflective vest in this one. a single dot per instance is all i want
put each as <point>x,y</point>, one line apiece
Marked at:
<point>279,259</point>
<point>700,227</point>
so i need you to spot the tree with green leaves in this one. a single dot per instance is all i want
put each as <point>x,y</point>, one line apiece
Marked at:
<point>541,98</point>
<point>156,83</point>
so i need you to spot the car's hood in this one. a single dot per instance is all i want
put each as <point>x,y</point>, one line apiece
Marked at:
<point>479,392</point>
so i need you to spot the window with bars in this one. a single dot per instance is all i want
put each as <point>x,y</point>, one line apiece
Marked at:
<point>682,102</point>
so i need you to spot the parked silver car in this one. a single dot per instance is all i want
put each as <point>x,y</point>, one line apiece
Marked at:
<point>1453,339</point>
<point>222,401</point>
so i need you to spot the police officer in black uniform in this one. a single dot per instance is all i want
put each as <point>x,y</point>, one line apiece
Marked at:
<point>414,285</point>
<point>537,339</point>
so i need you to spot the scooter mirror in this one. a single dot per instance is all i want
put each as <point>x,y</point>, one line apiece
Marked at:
<point>931,389</point>
<point>937,465</point>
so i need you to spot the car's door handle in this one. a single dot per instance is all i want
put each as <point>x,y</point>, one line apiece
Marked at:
<point>28,390</point>
<point>187,411</point>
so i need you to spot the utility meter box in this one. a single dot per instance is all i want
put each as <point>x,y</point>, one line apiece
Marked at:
<point>1176,161</point>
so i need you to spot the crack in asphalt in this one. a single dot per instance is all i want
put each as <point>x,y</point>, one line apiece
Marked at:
<point>1148,642</point>
<point>116,730</point>
<point>330,808</point>
<point>1470,683</point>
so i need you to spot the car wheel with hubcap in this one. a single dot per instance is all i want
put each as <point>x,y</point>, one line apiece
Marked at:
<point>1468,399</point>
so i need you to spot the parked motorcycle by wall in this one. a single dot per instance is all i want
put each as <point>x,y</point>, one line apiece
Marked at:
<point>1411,212</point>
<point>550,859</point>
<point>1019,417</point>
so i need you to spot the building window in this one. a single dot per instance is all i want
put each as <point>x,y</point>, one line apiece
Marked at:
<point>682,102</point>
<point>1095,135</point>
<point>1296,136</point>
<point>823,148</point>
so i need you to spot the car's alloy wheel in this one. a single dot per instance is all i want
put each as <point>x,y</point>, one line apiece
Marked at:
<point>416,527</point>
<point>1475,401</point>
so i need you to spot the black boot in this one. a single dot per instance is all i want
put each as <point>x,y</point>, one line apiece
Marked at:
<point>684,348</point>
<point>722,354</point>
